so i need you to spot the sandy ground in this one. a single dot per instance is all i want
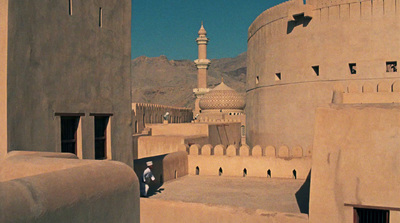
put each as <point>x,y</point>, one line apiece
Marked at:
<point>255,193</point>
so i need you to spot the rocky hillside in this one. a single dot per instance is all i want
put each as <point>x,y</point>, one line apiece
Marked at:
<point>170,82</point>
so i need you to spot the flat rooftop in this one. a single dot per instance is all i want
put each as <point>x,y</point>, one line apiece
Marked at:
<point>255,193</point>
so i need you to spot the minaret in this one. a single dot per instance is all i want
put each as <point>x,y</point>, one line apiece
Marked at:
<point>202,64</point>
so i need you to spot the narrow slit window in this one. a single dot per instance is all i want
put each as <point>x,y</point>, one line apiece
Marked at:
<point>278,76</point>
<point>100,17</point>
<point>257,80</point>
<point>391,66</point>
<point>294,174</point>
<point>70,7</point>
<point>197,170</point>
<point>268,173</point>
<point>220,171</point>
<point>353,68</point>
<point>316,70</point>
<point>244,172</point>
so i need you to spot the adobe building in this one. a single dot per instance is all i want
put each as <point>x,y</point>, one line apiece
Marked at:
<point>322,76</point>
<point>65,69</point>
<point>304,56</point>
<point>65,101</point>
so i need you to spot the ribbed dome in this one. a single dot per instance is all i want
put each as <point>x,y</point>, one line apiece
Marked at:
<point>222,97</point>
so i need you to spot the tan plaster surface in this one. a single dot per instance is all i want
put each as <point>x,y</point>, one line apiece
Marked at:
<point>3,76</point>
<point>355,161</point>
<point>282,112</point>
<point>277,195</point>
<point>256,166</point>
<point>177,211</point>
<point>50,188</point>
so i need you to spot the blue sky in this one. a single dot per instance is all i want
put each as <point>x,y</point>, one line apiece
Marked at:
<point>169,27</point>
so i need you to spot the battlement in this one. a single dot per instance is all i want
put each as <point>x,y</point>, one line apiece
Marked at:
<point>144,113</point>
<point>242,161</point>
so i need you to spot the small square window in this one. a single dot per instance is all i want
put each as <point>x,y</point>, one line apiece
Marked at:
<point>391,66</point>
<point>353,68</point>
<point>278,76</point>
<point>316,70</point>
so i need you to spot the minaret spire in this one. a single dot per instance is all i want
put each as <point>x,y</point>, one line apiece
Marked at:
<point>202,64</point>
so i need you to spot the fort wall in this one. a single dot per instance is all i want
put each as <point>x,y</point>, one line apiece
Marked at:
<point>355,162</point>
<point>69,60</point>
<point>144,114</point>
<point>298,53</point>
<point>267,162</point>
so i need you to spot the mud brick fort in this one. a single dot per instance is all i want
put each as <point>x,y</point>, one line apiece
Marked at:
<point>315,138</point>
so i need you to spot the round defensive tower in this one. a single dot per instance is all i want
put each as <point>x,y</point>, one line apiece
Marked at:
<point>304,56</point>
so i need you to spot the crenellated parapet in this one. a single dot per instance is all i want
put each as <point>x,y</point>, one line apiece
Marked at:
<point>283,152</point>
<point>144,113</point>
<point>282,162</point>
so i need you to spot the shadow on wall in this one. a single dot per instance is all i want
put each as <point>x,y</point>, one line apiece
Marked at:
<point>303,195</point>
<point>165,167</point>
<point>299,20</point>
<point>140,166</point>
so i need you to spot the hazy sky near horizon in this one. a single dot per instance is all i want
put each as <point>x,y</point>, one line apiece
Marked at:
<point>169,27</point>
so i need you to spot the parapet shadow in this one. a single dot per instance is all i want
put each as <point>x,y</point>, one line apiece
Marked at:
<point>140,165</point>
<point>303,195</point>
<point>299,20</point>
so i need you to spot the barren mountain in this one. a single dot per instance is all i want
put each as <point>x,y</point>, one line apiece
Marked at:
<point>170,82</point>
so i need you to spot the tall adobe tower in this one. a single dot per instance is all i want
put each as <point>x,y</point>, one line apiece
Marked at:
<point>202,64</point>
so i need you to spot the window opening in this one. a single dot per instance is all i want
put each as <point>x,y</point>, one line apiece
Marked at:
<point>176,174</point>
<point>244,172</point>
<point>363,215</point>
<point>257,79</point>
<point>294,174</point>
<point>197,170</point>
<point>268,173</point>
<point>391,66</point>
<point>353,68</point>
<point>100,126</point>
<point>69,127</point>
<point>316,70</point>
<point>100,17</point>
<point>70,7</point>
<point>278,77</point>
<point>220,172</point>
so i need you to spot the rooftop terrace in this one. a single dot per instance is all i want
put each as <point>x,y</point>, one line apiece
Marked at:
<point>275,195</point>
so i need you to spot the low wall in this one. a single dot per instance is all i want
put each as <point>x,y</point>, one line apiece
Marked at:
<point>149,146</point>
<point>245,161</point>
<point>173,211</point>
<point>182,129</point>
<point>53,189</point>
<point>298,168</point>
<point>165,167</point>
<point>225,133</point>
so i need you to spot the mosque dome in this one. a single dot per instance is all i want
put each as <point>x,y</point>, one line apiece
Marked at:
<point>222,97</point>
